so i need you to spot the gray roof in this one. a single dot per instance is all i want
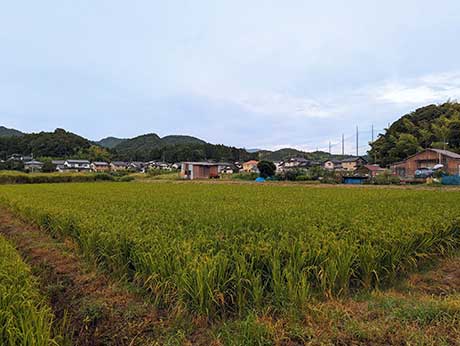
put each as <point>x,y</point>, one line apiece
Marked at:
<point>100,163</point>
<point>335,162</point>
<point>446,153</point>
<point>353,159</point>
<point>33,162</point>
<point>119,163</point>
<point>205,163</point>
<point>299,159</point>
<point>58,162</point>
<point>78,161</point>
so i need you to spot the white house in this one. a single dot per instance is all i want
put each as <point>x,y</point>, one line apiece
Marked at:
<point>33,166</point>
<point>77,165</point>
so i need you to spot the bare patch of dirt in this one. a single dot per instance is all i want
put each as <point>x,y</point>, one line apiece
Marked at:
<point>444,279</point>
<point>98,310</point>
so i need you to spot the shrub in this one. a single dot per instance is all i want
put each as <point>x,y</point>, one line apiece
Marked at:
<point>125,178</point>
<point>303,177</point>
<point>10,177</point>
<point>385,179</point>
<point>245,176</point>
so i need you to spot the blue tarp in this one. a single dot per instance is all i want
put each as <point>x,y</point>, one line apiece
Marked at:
<point>451,180</point>
<point>354,180</point>
<point>260,180</point>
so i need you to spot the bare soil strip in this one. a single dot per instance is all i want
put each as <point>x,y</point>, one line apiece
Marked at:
<point>98,311</point>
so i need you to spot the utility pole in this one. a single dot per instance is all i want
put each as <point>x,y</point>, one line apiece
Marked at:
<point>329,147</point>
<point>357,141</point>
<point>372,133</point>
<point>343,144</point>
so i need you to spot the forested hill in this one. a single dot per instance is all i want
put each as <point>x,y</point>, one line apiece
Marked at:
<point>110,142</point>
<point>175,149</point>
<point>287,153</point>
<point>433,126</point>
<point>59,143</point>
<point>6,132</point>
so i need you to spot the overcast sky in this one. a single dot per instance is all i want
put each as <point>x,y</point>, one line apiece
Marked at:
<point>255,74</point>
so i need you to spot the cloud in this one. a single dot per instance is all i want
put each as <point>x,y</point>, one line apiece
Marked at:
<point>268,103</point>
<point>285,104</point>
<point>426,89</point>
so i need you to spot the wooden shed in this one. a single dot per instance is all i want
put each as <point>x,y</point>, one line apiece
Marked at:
<point>199,170</point>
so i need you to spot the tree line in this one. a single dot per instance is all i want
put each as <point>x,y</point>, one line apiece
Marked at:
<point>433,126</point>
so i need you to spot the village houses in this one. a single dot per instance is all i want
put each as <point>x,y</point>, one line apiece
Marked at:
<point>100,167</point>
<point>353,163</point>
<point>77,166</point>
<point>250,166</point>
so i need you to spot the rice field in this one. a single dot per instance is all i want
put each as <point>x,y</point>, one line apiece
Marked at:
<point>25,319</point>
<point>218,249</point>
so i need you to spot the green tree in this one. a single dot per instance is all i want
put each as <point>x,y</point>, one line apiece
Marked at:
<point>442,131</point>
<point>95,153</point>
<point>48,166</point>
<point>406,145</point>
<point>266,169</point>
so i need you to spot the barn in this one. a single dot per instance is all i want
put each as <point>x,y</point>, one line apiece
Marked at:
<point>428,158</point>
<point>199,170</point>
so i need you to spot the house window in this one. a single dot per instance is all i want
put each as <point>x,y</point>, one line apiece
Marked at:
<point>401,171</point>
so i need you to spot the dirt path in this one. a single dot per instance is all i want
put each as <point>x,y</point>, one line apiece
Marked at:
<point>98,310</point>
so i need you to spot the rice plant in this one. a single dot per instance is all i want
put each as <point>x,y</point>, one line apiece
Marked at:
<point>225,249</point>
<point>25,319</point>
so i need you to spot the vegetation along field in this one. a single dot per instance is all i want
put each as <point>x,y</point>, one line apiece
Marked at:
<point>226,252</point>
<point>25,318</point>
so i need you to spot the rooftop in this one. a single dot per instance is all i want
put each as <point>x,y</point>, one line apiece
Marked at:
<point>78,161</point>
<point>446,153</point>
<point>205,163</point>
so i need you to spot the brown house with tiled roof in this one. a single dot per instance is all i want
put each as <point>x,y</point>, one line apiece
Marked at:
<point>428,158</point>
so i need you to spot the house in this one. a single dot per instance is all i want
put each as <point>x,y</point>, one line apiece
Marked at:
<point>19,157</point>
<point>226,168</point>
<point>250,166</point>
<point>137,166</point>
<point>371,170</point>
<point>199,170</point>
<point>118,166</point>
<point>332,165</point>
<point>100,167</point>
<point>77,165</point>
<point>297,162</point>
<point>353,163</point>
<point>279,166</point>
<point>33,166</point>
<point>239,166</point>
<point>59,164</point>
<point>428,158</point>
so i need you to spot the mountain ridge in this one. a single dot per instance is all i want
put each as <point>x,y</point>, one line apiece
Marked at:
<point>8,132</point>
<point>148,146</point>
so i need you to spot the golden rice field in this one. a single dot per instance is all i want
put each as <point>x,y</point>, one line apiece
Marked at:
<point>25,318</point>
<point>220,249</point>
